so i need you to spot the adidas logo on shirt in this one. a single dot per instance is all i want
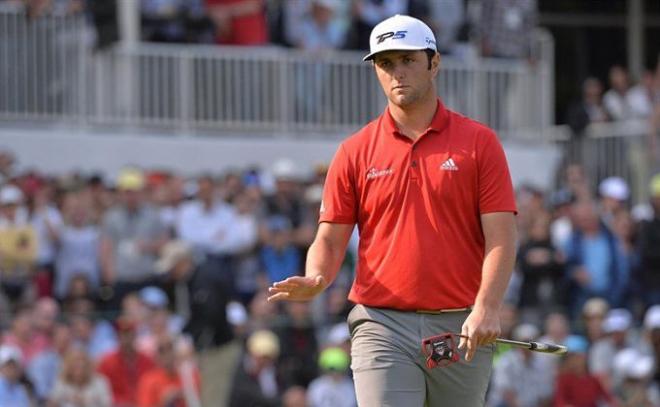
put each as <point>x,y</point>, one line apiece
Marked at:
<point>449,165</point>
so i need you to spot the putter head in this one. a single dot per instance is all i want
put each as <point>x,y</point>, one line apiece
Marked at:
<point>440,350</point>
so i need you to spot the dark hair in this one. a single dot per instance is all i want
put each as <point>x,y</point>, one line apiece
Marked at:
<point>430,54</point>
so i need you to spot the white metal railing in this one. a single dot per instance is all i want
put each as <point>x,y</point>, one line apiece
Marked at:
<point>48,69</point>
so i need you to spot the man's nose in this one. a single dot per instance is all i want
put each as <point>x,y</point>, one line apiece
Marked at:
<point>399,71</point>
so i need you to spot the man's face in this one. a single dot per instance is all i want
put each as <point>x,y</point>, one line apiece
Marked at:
<point>405,75</point>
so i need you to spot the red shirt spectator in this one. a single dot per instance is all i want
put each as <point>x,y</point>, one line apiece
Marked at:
<point>164,384</point>
<point>125,367</point>
<point>158,384</point>
<point>579,391</point>
<point>239,22</point>
<point>575,386</point>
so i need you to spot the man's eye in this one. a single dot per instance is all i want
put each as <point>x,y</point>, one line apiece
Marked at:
<point>408,60</point>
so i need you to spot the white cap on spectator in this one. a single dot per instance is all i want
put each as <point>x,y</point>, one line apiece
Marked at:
<point>400,33</point>
<point>236,313</point>
<point>615,188</point>
<point>617,320</point>
<point>525,332</point>
<point>10,195</point>
<point>10,353</point>
<point>286,170</point>
<point>153,297</point>
<point>339,334</point>
<point>630,363</point>
<point>652,318</point>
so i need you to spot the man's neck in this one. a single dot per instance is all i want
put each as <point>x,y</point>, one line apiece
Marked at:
<point>414,120</point>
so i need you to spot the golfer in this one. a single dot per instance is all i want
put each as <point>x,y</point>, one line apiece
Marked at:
<point>432,197</point>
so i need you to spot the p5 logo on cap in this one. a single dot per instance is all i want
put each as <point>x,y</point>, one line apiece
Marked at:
<point>391,34</point>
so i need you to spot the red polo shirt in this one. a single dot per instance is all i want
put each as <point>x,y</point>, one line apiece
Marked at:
<point>417,206</point>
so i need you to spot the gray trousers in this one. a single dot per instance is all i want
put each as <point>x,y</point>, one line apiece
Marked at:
<point>389,367</point>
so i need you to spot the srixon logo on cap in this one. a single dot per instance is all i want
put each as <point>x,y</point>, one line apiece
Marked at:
<point>395,35</point>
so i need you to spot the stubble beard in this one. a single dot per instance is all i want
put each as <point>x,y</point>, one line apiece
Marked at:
<point>404,101</point>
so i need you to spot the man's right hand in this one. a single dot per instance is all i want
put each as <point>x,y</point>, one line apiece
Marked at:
<point>297,288</point>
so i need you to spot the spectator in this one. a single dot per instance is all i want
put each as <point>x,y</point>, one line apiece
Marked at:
<point>615,99</point>
<point>165,385</point>
<point>286,200</point>
<point>12,392</point>
<point>97,336</point>
<point>595,263</point>
<point>7,166</point>
<point>211,226</point>
<point>46,221</point>
<point>651,340</point>
<point>78,385</point>
<point>556,330</point>
<point>520,378</point>
<point>299,349</point>
<point>649,241</point>
<point>174,20</point>
<point>447,19</point>
<point>368,13</point>
<point>131,238</point>
<point>256,381</point>
<point>635,389</point>
<point>280,258</point>
<point>575,386</point>
<point>593,315</point>
<point>561,226</point>
<point>640,98</point>
<point>44,368</point>
<point>588,110</point>
<point>334,388</point>
<point>614,194</point>
<point>616,327</point>
<point>125,367</point>
<point>22,335</point>
<point>239,22</point>
<point>506,28</point>
<point>295,396</point>
<point>78,247</point>
<point>201,296</point>
<point>44,317</point>
<point>159,321</point>
<point>18,245</point>
<point>541,267</point>
<point>320,30</point>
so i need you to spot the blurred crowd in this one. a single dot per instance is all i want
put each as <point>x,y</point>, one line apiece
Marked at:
<point>623,100</point>
<point>495,28</point>
<point>149,288</point>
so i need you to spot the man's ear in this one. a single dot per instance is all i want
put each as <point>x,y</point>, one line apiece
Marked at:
<point>435,64</point>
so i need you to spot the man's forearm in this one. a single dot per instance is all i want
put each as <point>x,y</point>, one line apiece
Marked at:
<point>324,259</point>
<point>499,258</point>
<point>496,273</point>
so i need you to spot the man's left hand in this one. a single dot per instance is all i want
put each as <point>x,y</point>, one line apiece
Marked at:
<point>480,328</point>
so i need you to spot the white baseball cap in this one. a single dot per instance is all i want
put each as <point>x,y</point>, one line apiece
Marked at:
<point>617,320</point>
<point>400,33</point>
<point>615,188</point>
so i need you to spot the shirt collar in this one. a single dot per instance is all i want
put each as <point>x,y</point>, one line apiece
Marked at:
<point>438,123</point>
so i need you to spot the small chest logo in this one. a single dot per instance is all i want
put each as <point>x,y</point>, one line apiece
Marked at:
<point>375,173</point>
<point>449,165</point>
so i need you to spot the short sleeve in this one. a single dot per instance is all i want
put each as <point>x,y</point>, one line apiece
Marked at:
<point>339,204</point>
<point>495,186</point>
